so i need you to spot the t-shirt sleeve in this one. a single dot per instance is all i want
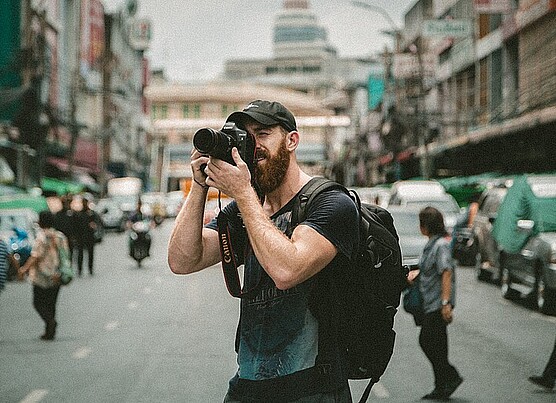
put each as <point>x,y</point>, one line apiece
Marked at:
<point>333,214</point>
<point>444,257</point>
<point>231,210</point>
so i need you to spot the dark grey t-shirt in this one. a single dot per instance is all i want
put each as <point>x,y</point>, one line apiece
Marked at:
<point>278,332</point>
<point>436,258</point>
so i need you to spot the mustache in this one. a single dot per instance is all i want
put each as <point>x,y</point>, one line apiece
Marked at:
<point>260,154</point>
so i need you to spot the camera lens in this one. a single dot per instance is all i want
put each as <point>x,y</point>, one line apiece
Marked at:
<point>206,140</point>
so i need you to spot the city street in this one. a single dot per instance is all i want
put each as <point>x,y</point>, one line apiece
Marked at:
<point>130,334</point>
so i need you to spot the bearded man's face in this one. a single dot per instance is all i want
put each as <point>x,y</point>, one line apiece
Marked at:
<point>270,173</point>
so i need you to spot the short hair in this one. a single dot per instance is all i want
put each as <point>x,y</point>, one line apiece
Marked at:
<point>432,220</point>
<point>46,219</point>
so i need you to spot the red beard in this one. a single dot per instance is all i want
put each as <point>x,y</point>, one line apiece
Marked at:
<point>272,173</point>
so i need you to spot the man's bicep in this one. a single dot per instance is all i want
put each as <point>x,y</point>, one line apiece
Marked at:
<point>313,248</point>
<point>211,247</point>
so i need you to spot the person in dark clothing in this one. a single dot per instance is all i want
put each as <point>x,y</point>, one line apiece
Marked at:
<point>65,221</point>
<point>88,221</point>
<point>548,377</point>
<point>437,285</point>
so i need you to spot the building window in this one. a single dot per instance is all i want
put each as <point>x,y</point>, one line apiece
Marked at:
<point>185,111</point>
<point>224,110</point>
<point>196,111</point>
<point>159,111</point>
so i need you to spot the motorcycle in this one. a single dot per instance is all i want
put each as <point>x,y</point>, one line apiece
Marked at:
<point>139,241</point>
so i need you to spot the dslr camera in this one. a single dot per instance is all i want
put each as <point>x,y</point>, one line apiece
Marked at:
<point>219,143</point>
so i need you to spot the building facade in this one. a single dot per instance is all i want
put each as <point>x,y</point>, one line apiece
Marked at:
<point>72,75</point>
<point>179,110</point>
<point>489,105</point>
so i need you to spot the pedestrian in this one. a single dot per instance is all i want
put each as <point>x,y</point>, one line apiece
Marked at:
<point>287,348</point>
<point>438,288</point>
<point>42,267</point>
<point>65,221</point>
<point>548,377</point>
<point>88,222</point>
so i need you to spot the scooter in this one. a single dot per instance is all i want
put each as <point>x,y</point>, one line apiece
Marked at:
<point>139,241</point>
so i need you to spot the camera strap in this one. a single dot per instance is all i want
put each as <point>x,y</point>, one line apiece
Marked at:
<point>230,258</point>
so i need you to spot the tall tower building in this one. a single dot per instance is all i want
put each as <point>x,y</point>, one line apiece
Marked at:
<point>297,32</point>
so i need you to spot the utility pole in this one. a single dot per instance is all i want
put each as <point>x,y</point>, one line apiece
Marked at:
<point>106,104</point>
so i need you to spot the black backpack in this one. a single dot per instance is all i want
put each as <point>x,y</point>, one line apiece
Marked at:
<point>368,293</point>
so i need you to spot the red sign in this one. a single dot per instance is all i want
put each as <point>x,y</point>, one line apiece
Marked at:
<point>92,36</point>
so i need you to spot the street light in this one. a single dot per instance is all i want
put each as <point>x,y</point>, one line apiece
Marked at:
<point>379,10</point>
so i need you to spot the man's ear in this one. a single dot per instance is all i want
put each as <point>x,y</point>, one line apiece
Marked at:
<point>292,140</point>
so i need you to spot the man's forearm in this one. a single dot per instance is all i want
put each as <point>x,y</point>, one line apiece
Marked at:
<point>185,248</point>
<point>446,285</point>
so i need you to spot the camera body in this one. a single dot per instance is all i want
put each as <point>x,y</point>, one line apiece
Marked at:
<point>219,143</point>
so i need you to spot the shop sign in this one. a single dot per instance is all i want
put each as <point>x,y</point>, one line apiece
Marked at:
<point>447,28</point>
<point>406,65</point>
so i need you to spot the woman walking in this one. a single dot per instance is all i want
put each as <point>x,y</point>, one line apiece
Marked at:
<point>437,285</point>
<point>42,267</point>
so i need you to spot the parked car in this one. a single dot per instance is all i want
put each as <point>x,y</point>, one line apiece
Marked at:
<point>414,189</point>
<point>525,230</point>
<point>487,260</point>
<point>18,231</point>
<point>111,214</point>
<point>420,194</point>
<point>412,242</point>
<point>373,195</point>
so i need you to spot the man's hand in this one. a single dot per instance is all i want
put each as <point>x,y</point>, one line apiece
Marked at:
<point>447,313</point>
<point>198,161</point>
<point>231,180</point>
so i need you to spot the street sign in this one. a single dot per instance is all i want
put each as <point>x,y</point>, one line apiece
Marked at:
<point>447,28</point>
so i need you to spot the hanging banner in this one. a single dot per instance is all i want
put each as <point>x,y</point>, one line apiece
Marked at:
<point>92,42</point>
<point>408,65</point>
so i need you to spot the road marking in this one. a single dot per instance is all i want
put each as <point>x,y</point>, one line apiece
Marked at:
<point>147,290</point>
<point>81,353</point>
<point>158,280</point>
<point>132,305</point>
<point>111,326</point>
<point>380,391</point>
<point>35,396</point>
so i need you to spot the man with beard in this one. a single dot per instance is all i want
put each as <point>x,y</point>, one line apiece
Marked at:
<point>288,347</point>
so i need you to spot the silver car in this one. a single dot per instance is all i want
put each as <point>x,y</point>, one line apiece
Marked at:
<point>412,242</point>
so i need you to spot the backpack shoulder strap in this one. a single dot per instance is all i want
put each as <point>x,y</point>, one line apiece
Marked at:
<point>306,195</point>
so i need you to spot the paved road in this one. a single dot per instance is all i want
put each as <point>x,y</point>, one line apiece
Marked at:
<point>146,335</point>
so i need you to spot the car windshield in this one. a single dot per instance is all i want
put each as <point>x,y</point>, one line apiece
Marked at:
<point>445,206</point>
<point>406,223</point>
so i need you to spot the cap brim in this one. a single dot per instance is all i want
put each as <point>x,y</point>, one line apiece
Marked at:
<point>239,117</point>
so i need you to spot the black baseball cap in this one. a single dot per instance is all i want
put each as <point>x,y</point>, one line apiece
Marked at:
<point>267,113</point>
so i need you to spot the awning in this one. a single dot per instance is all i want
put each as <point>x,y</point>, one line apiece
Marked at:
<point>60,187</point>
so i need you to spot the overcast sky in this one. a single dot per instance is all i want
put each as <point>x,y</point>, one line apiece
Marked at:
<point>192,38</point>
